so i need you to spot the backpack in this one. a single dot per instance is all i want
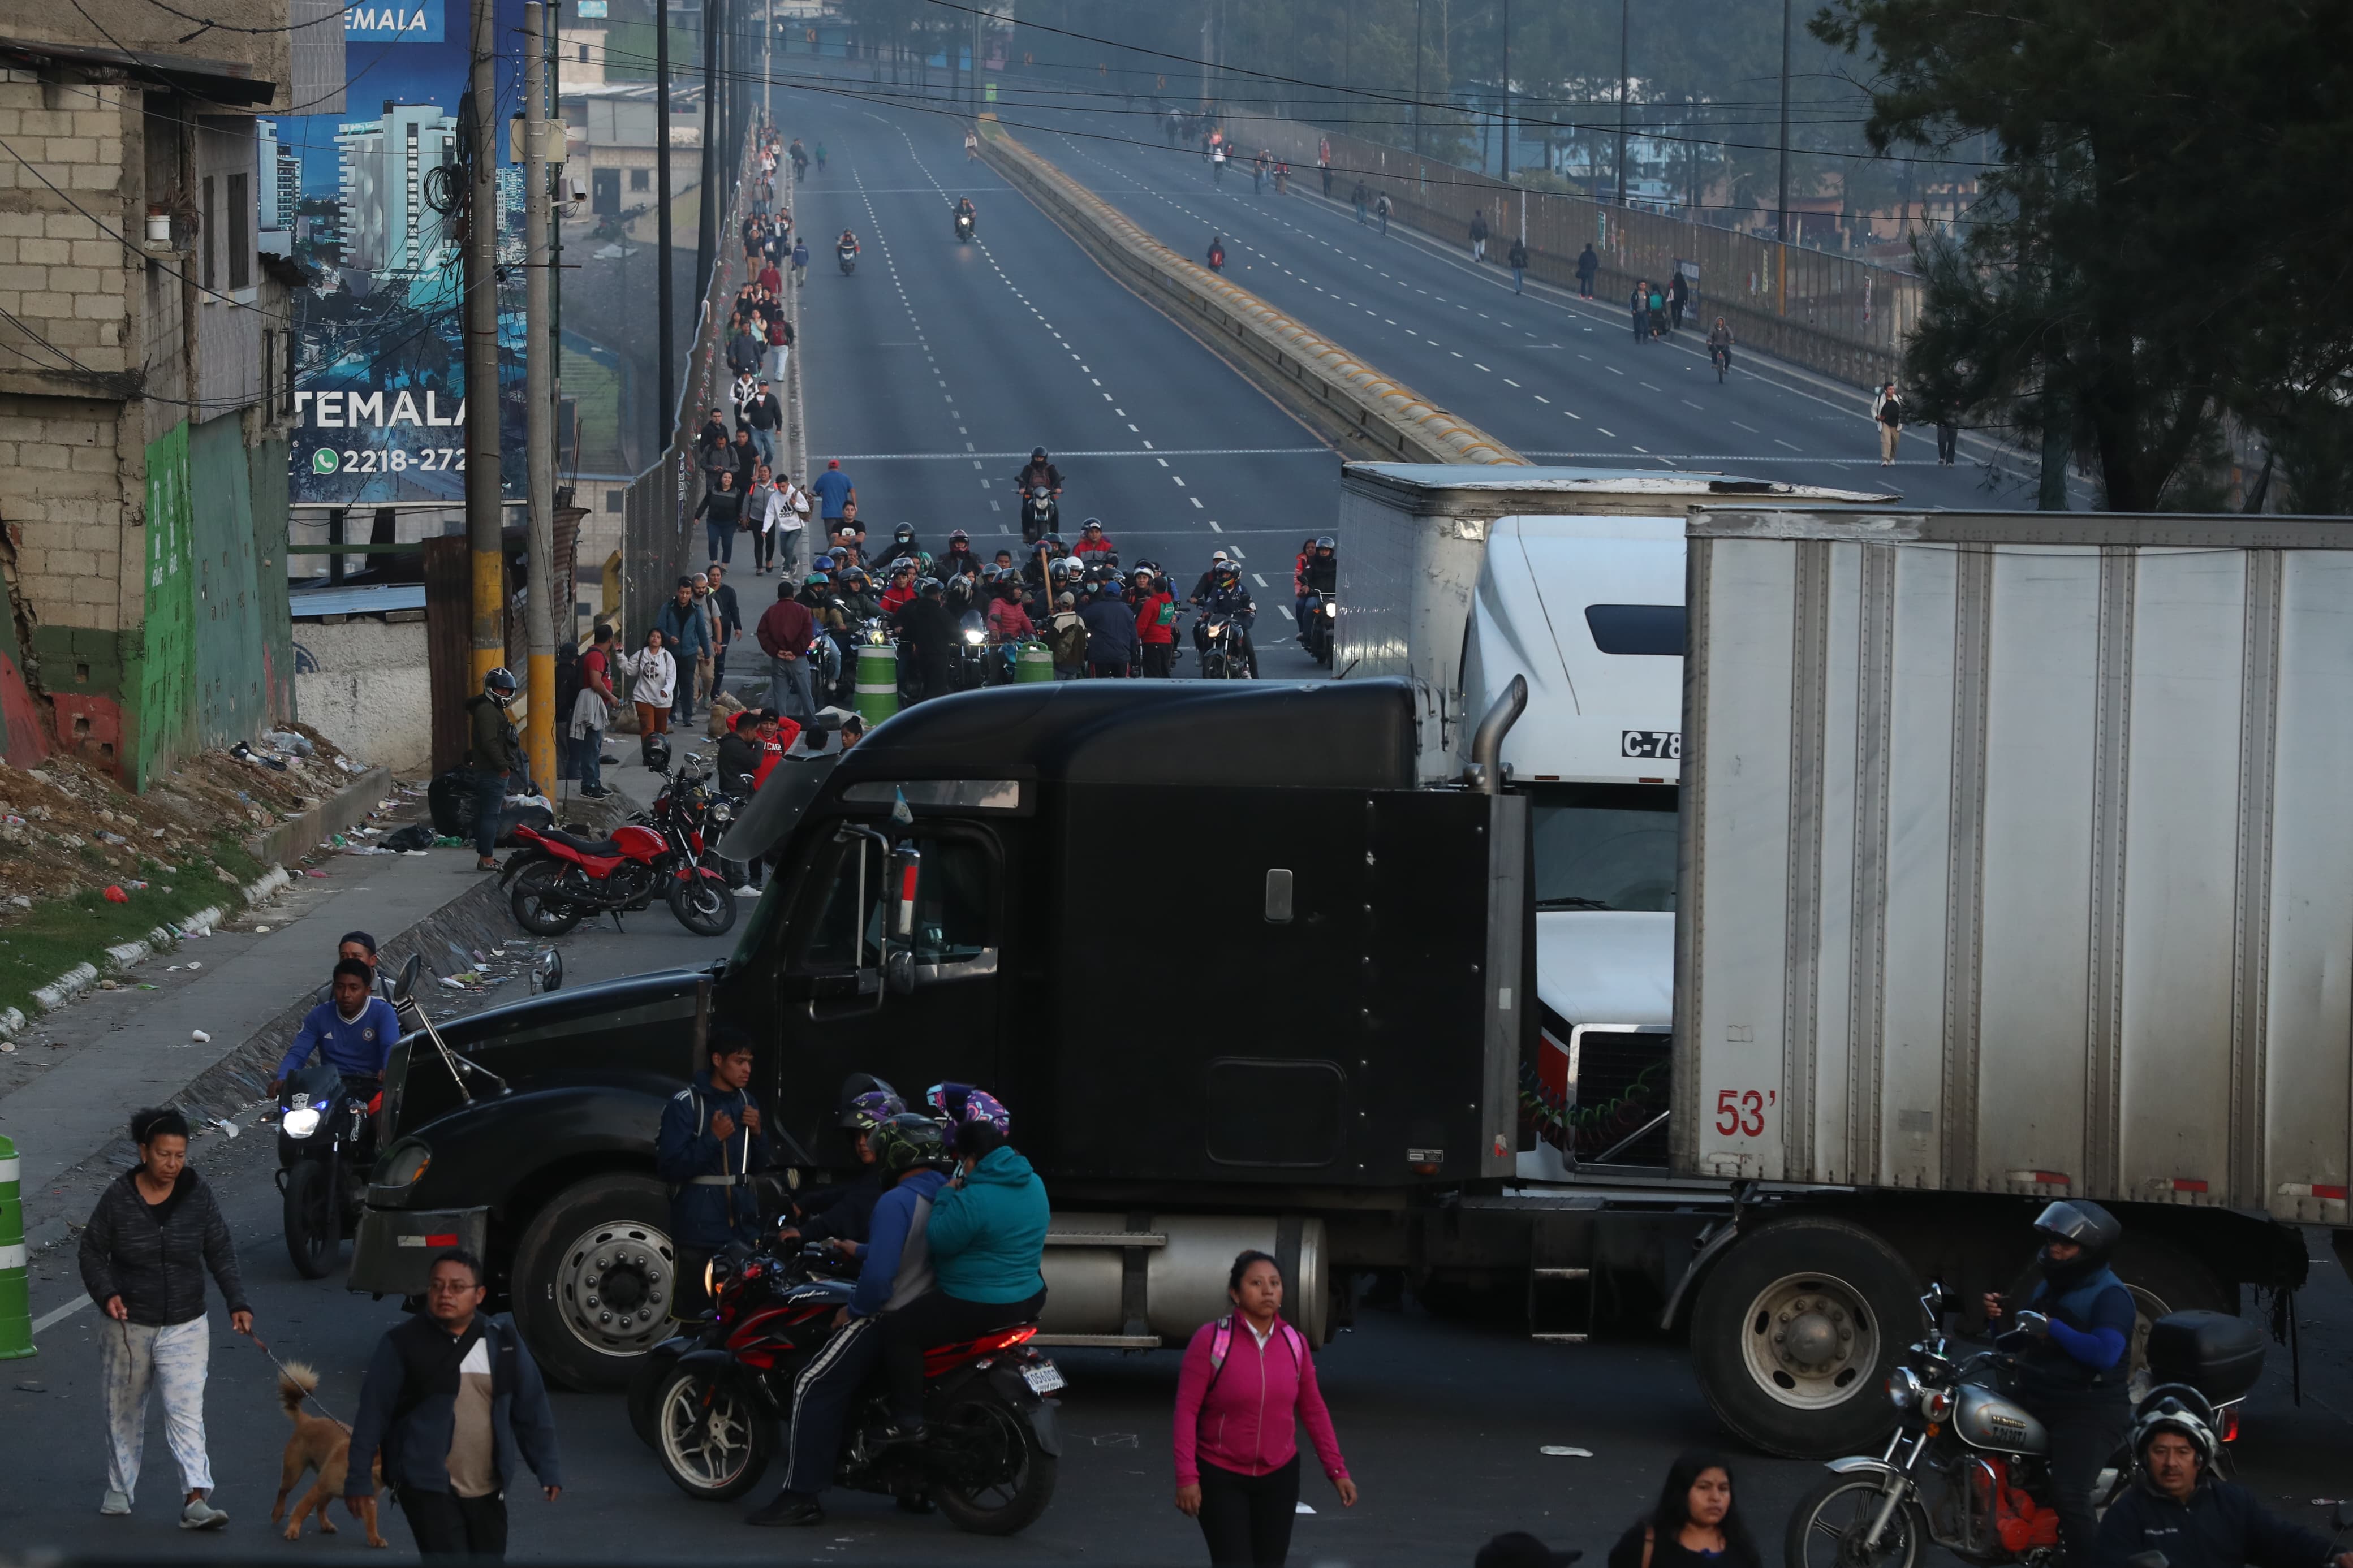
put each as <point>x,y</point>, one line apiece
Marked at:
<point>1167,615</point>
<point>1223,1339</point>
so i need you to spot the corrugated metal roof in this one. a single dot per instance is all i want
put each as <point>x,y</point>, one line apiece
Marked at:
<point>358,599</point>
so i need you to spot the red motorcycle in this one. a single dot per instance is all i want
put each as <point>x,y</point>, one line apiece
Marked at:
<point>556,880</point>
<point>990,1450</point>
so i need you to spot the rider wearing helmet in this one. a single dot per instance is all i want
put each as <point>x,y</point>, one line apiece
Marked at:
<point>928,630</point>
<point>910,1152</point>
<point>1040,470</point>
<point>2071,1344</point>
<point>2176,1506</point>
<point>902,547</point>
<point>1092,540</point>
<point>1209,578</point>
<point>842,1212</point>
<point>1227,597</point>
<point>960,560</point>
<point>496,752</point>
<point>1319,573</point>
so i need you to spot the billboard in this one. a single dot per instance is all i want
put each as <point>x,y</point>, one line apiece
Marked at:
<point>380,386</point>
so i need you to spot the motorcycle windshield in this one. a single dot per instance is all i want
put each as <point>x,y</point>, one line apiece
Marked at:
<point>767,818</point>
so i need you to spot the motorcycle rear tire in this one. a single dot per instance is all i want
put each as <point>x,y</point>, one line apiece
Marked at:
<point>1842,1497</point>
<point>747,1428</point>
<point>1030,1491</point>
<point>536,908</point>
<point>313,1218</point>
<point>703,902</point>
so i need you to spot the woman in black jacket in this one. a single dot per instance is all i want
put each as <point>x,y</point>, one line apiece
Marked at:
<point>156,1234</point>
<point>1695,1523</point>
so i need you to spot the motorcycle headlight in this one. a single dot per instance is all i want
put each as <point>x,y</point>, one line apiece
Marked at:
<point>1330,608</point>
<point>976,638</point>
<point>299,1123</point>
<point>1904,1389</point>
<point>722,812</point>
<point>403,1165</point>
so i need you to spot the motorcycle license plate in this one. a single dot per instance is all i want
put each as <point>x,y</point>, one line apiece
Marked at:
<point>1043,1378</point>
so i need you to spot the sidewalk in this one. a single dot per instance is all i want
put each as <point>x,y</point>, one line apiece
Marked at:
<point>79,1072</point>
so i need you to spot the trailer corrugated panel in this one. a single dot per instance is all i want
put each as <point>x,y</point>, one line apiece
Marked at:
<point>2017,857</point>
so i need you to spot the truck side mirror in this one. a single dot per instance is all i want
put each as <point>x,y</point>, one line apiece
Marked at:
<point>406,983</point>
<point>899,970</point>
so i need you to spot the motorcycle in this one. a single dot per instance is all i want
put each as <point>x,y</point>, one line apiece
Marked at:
<point>848,257</point>
<point>1042,514</point>
<point>1226,653</point>
<point>991,1448</point>
<point>1968,1468</point>
<point>321,1128</point>
<point>964,228</point>
<point>555,881</point>
<point>1315,631</point>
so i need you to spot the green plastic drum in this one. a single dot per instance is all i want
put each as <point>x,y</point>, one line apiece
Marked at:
<point>878,682</point>
<point>16,1314</point>
<point>1032,662</point>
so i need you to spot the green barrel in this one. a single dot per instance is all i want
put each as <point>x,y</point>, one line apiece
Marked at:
<point>15,1297</point>
<point>878,682</point>
<point>1032,662</point>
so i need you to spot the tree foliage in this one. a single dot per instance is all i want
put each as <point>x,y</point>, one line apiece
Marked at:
<point>2162,244</point>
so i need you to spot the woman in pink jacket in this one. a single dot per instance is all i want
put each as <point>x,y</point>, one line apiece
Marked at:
<point>1246,1379</point>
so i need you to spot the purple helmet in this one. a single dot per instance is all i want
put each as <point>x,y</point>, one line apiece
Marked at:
<point>867,1102</point>
<point>959,1104</point>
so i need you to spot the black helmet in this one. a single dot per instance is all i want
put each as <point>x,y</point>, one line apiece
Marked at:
<point>905,1141</point>
<point>2089,1226</point>
<point>1038,456</point>
<point>959,537</point>
<point>930,585</point>
<point>904,533</point>
<point>499,685</point>
<point>654,752</point>
<point>2175,1407</point>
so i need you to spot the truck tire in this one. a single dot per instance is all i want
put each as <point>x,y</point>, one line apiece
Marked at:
<point>1795,1331</point>
<point>592,1279</point>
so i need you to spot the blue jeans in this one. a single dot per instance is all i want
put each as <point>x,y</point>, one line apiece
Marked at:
<point>721,536</point>
<point>1519,276</point>
<point>791,675</point>
<point>764,441</point>
<point>587,758</point>
<point>490,805</point>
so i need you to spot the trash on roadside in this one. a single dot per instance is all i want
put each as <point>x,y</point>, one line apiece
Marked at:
<point>314,873</point>
<point>261,930</point>
<point>200,1037</point>
<point>196,963</point>
<point>1559,1451</point>
<point>117,896</point>
<point>416,835</point>
<point>452,983</point>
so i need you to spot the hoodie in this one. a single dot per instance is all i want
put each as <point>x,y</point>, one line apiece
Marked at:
<point>2222,1525</point>
<point>987,1235</point>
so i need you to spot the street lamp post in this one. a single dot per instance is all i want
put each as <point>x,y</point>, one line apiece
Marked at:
<point>1625,79</point>
<point>1781,212</point>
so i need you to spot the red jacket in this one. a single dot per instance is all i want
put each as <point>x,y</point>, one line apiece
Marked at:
<point>771,280</point>
<point>1147,618</point>
<point>1085,546</point>
<point>772,752</point>
<point>1243,1421</point>
<point>786,627</point>
<point>1008,619</point>
<point>894,597</point>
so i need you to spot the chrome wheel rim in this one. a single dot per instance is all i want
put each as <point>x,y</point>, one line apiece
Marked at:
<point>1833,1534</point>
<point>613,1287</point>
<point>1810,1342</point>
<point>706,1433</point>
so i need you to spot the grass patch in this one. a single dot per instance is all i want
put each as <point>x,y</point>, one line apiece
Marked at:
<point>56,935</point>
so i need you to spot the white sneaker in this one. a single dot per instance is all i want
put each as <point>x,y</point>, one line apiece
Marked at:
<point>114,1503</point>
<point>200,1514</point>
<point>748,891</point>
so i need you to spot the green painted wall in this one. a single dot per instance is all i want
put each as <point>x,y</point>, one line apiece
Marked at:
<point>231,700</point>
<point>268,463</point>
<point>158,693</point>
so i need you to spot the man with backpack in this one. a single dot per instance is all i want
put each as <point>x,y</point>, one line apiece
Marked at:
<point>1155,623</point>
<point>708,1149</point>
<point>451,1401</point>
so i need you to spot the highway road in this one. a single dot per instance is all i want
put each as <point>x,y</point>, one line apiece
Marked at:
<point>934,369</point>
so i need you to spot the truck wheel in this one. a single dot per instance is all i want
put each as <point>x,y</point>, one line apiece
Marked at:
<point>592,1279</point>
<point>1794,1334</point>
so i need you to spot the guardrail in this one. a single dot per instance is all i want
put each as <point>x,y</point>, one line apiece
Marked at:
<point>1369,415</point>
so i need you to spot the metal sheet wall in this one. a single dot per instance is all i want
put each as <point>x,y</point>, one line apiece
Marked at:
<point>2017,867</point>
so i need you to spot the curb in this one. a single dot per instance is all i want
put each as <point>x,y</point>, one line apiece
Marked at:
<point>289,840</point>
<point>1371,414</point>
<point>124,955</point>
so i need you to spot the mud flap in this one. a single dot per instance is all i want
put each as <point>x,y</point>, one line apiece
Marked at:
<point>393,1250</point>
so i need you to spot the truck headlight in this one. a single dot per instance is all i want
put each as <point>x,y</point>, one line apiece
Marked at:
<point>404,1164</point>
<point>299,1123</point>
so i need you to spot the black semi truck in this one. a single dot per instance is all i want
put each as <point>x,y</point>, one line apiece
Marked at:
<point>1243,982</point>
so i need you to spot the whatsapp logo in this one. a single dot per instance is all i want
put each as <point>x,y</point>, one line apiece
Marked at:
<point>322,461</point>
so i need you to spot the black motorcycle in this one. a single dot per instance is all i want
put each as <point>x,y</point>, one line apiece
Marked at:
<point>1225,648</point>
<point>990,1453</point>
<point>1315,630</point>
<point>963,229</point>
<point>1042,514</point>
<point>322,1128</point>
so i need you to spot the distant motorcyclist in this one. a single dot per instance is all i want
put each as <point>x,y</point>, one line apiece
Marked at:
<point>929,632</point>
<point>843,1213</point>
<point>902,547</point>
<point>1319,573</point>
<point>1229,598</point>
<point>2178,1506</point>
<point>708,1148</point>
<point>2071,1344</point>
<point>847,244</point>
<point>1209,578</point>
<point>965,211</point>
<point>909,1150</point>
<point>960,559</point>
<point>1092,540</point>
<point>1040,470</point>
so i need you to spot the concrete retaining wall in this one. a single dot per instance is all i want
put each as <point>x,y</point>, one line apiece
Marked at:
<point>1370,416</point>
<point>371,692</point>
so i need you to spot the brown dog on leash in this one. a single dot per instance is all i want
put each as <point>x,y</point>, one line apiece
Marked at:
<point>320,1445</point>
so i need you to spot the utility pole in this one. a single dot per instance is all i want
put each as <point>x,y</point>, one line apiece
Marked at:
<point>482,498</point>
<point>667,413</point>
<point>538,416</point>
<point>1507,90</point>
<point>706,235</point>
<point>1625,80</point>
<point>1416,77</point>
<point>1781,207</point>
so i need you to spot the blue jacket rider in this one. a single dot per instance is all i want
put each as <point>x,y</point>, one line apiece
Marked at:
<point>354,1032</point>
<point>708,1149</point>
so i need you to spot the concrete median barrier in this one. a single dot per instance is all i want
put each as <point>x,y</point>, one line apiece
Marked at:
<point>1369,414</point>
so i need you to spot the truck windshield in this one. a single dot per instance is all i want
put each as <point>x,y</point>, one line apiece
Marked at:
<point>1604,846</point>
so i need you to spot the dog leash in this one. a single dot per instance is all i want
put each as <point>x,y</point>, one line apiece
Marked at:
<point>288,1374</point>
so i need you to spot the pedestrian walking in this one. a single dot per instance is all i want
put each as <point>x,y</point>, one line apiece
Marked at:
<point>800,260</point>
<point>1888,409</point>
<point>1638,302</point>
<point>726,621</point>
<point>1658,302</point>
<point>722,510</point>
<point>653,682</point>
<point>1518,258</point>
<point>1324,163</point>
<point>592,714</point>
<point>1949,436</point>
<point>1678,297</point>
<point>1478,236</point>
<point>494,750</point>
<point>156,1232</point>
<point>1695,1523</point>
<point>453,1404</point>
<point>1587,264</point>
<point>686,635</point>
<point>1381,211</point>
<point>1361,199</point>
<point>1246,1381</point>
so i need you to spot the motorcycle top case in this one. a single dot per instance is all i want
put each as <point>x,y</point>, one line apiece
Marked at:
<point>2216,1354</point>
